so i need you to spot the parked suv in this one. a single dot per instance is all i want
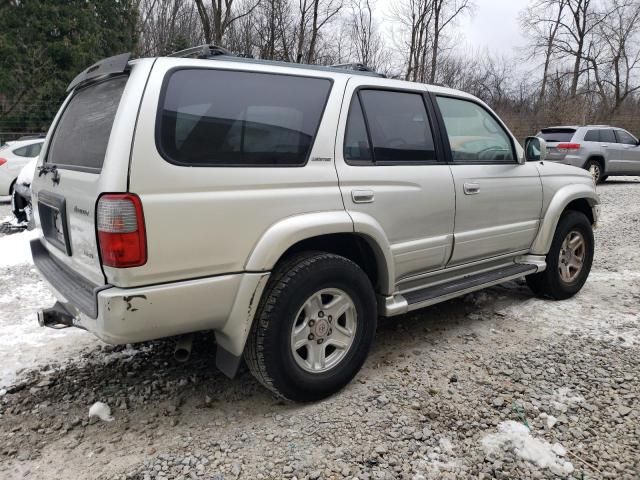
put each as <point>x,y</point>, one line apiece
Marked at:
<point>601,149</point>
<point>286,207</point>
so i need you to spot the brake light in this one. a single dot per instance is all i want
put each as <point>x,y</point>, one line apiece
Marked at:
<point>121,234</point>
<point>3,161</point>
<point>568,146</point>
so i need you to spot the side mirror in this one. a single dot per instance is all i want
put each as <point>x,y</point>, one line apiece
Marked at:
<point>535,149</point>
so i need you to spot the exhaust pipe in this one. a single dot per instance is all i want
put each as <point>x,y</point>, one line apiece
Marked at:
<point>182,350</point>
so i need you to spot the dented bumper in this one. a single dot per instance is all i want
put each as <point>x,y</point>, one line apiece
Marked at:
<point>225,304</point>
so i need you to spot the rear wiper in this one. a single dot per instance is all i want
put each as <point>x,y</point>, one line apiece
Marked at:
<point>44,169</point>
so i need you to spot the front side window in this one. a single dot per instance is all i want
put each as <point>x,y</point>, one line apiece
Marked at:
<point>398,125</point>
<point>474,134</point>
<point>229,118</point>
<point>625,138</point>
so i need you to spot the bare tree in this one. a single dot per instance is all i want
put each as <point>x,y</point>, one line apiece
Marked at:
<point>217,17</point>
<point>541,22</point>
<point>445,12</point>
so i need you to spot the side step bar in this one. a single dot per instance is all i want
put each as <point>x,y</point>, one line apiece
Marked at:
<point>416,299</point>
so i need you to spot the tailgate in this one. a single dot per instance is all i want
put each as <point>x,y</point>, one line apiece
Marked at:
<point>554,137</point>
<point>86,154</point>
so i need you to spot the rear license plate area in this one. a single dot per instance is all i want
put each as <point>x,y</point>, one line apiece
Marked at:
<point>52,209</point>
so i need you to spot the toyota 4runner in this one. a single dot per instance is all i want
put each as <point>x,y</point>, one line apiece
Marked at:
<point>286,207</point>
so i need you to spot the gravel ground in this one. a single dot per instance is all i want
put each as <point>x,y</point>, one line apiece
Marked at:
<point>445,394</point>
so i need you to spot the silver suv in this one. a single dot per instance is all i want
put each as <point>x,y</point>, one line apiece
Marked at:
<point>286,207</point>
<point>601,149</point>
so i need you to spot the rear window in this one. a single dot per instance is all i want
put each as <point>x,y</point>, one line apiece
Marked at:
<point>82,134</point>
<point>229,118</point>
<point>557,134</point>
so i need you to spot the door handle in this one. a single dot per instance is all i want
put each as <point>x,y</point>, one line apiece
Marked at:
<point>604,146</point>
<point>471,188</point>
<point>362,196</point>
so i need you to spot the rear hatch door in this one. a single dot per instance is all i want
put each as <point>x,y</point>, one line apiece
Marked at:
<point>555,136</point>
<point>86,154</point>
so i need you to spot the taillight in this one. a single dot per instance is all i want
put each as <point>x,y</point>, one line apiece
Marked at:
<point>568,146</point>
<point>3,161</point>
<point>121,234</point>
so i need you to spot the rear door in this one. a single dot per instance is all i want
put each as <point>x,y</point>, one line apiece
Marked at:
<point>86,153</point>
<point>393,174</point>
<point>498,200</point>
<point>631,152</point>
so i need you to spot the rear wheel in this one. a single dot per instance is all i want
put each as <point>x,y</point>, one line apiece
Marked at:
<point>314,327</point>
<point>595,168</point>
<point>569,259</point>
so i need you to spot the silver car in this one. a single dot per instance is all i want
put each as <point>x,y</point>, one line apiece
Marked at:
<point>601,149</point>
<point>286,207</point>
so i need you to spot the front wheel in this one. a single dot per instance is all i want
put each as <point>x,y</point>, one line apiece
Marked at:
<point>314,327</point>
<point>569,259</point>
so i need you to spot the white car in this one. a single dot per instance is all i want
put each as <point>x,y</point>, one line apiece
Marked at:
<point>13,157</point>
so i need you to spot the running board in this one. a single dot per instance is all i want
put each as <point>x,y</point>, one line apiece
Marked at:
<point>399,304</point>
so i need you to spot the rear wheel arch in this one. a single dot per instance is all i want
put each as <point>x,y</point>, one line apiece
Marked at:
<point>360,249</point>
<point>596,158</point>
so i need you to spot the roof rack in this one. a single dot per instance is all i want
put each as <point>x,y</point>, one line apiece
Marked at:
<point>211,52</point>
<point>358,67</point>
<point>201,51</point>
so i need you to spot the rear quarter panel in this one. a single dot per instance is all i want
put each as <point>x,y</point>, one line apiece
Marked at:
<point>205,221</point>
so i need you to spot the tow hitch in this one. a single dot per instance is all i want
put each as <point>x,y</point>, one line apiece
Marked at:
<point>55,317</point>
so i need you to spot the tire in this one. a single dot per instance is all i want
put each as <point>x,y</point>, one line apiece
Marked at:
<point>603,178</point>
<point>288,304</point>
<point>553,282</point>
<point>596,170</point>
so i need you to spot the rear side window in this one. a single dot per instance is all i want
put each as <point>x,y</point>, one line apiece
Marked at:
<point>22,151</point>
<point>356,141</point>
<point>607,136</point>
<point>82,134</point>
<point>399,126</point>
<point>229,118</point>
<point>592,136</point>
<point>474,134</point>
<point>557,134</point>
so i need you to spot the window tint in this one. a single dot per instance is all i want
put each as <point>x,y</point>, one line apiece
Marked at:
<point>22,151</point>
<point>592,136</point>
<point>474,135</point>
<point>607,136</point>
<point>356,141</point>
<point>625,138</point>
<point>82,134</point>
<point>35,149</point>
<point>557,134</point>
<point>399,126</point>
<point>217,117</point>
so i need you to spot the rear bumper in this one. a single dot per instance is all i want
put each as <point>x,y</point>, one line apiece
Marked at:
<point>574,160</point>
<point>225,304</point>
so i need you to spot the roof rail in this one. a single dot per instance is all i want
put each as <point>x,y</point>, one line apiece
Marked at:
<point>202,51</point>
<point>213,51</point>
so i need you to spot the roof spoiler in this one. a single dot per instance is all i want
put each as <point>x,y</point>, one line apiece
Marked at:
<point>104,68</point>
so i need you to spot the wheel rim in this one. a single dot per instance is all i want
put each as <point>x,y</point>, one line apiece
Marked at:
<point>594,169</point>
<point>324,330</point>
<point>572,255</point>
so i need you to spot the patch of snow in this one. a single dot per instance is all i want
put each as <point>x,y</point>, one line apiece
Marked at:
<point>15,249</point>
<point>102,411</point>
<point>550,420</point>
<point>516,437</point>
<point>25,177</point>
<point>563,399</point>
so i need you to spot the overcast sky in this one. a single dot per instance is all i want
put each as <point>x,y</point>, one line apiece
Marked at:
<point>492,25</point>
